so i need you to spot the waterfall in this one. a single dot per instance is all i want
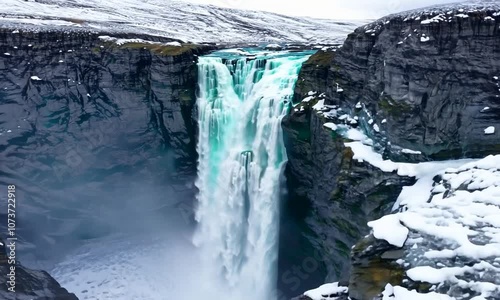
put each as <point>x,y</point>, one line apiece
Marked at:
<point>241,104</point>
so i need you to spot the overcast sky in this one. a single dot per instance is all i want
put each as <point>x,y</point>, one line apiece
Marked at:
<point>334,9</point>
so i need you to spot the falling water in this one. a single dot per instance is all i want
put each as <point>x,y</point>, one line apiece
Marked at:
<point>241,159</point>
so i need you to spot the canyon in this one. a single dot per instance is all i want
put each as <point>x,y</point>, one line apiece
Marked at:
<point>92,107</point>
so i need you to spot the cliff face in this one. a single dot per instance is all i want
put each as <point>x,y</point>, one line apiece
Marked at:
<point>423,86</point>
<point>58,83</point>
<point>435,82</point>
<point>79,114</point>
<point>331,195</point>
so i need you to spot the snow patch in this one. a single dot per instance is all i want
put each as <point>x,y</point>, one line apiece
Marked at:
<point>339,89</point>
<point>409,151</point>
<point>400,293</point>
<point>332,126</point>
<point>326,290</point>
<point>489,130</point>
<point>319,105</point>
<point>120,41</point>
<point>197,23</point>
<point>389,228</point>
<point>174,44</point>
<point>307,99</point>
<point>273,47</point>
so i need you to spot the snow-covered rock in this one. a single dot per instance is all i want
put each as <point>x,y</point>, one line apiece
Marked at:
<point>401,293</point>
<point>273,47</point>
<point>329,291</point>
<point>455,235</point>
<point>450,241</point>
<point>439,14</point>
<point>389,228</point>
<point>332,126</point>
<point>409,151</point>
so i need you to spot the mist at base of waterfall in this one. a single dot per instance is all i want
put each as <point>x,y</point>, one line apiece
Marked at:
<point>159,264</point>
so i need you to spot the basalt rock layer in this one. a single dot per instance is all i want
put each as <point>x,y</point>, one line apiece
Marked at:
<point>423,85</point>
<point>81,116</point>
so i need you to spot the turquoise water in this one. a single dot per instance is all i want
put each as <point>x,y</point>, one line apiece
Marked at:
<point>244,96</point>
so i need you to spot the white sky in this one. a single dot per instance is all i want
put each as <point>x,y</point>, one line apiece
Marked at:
<point>333,9</point>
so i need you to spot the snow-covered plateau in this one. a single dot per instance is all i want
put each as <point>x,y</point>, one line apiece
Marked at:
<point>438,14</point>
<point>173,19</point>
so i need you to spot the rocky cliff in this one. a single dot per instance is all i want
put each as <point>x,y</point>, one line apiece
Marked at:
<point>62,82</point>
<point>422,85</point>
<point>84,111</point>
<point>332,195</point>
<point>432,75</point>
<point>27,283</point>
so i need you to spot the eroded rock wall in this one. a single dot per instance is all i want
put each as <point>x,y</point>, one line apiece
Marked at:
<point>88,126</point>
<point>435,83</point>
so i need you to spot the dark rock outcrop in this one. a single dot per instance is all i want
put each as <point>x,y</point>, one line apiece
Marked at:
<point>28,284</point>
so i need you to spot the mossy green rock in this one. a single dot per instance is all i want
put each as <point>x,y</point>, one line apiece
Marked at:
<point>373,267</point>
